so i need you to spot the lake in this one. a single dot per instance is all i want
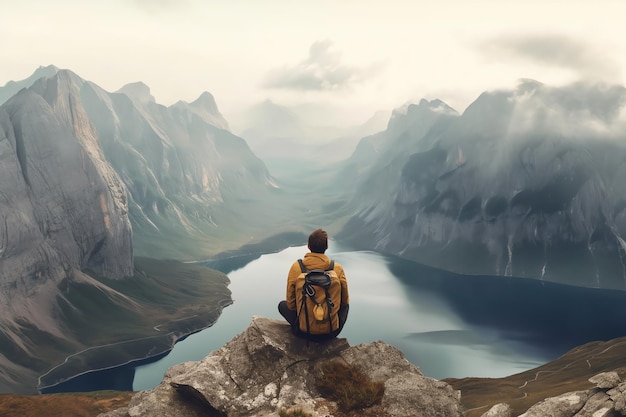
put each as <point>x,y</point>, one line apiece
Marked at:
<point>448,325</point>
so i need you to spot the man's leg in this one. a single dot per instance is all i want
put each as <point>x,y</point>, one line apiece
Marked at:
<point>343,316</point>
<point>290,315</point>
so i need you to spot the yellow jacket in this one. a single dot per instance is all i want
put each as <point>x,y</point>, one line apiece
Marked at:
<point>294,289</point>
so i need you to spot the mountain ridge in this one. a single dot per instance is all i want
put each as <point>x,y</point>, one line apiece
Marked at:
<point>498,190</point>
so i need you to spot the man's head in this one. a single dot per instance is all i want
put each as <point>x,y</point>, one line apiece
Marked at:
<point>318,241</point>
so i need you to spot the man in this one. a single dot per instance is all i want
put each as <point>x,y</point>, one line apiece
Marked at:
<point>292,308</point>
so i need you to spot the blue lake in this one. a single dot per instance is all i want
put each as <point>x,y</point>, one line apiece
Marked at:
<point>448,325</point>
<point>422,323</point>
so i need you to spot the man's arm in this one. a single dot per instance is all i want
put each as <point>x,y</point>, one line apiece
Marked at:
<point>345,297</point>
<point>294,272</point>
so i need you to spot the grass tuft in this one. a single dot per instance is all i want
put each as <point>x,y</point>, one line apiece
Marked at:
<point>348,386</point>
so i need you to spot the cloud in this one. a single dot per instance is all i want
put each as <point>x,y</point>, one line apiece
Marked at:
<point>321,71</point>
<point>577,111</point>
<point>556,51</point>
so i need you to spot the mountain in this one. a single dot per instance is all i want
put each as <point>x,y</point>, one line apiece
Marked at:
<point>12,87</point>
<point>188,178</point>
<point>63,211</point>
<point>286,137</point>
<point>92,179</point>
<point>527,182</point>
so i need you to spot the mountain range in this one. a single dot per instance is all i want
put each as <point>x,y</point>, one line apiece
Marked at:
<point>525,182</point>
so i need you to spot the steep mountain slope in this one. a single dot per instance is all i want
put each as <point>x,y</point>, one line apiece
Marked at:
<point>525,183</point>
<point>187,177</point>
<point>63,210</point>
<point>12,87</point>
<point>78,166</point>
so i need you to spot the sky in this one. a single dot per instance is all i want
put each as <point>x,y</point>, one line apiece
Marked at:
<point>351,58</point>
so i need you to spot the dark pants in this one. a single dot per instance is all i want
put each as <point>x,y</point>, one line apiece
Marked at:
<point>292,317</point>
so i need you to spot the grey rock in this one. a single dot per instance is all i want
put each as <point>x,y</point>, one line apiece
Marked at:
<point>606,380</point>
<point>598,405</point>
<point>608,400</point>
<point>565,405</point>
<point>266,369</point>
<point>499,410</point>
<point>618,396</point>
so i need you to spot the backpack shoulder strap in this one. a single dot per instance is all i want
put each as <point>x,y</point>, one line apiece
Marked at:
<point>302,267</point>
<point>332,265</point>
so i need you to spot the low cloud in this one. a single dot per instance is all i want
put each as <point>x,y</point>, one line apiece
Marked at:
<point>321,71</point>
<point>557,51</point>
<point>578,111</point>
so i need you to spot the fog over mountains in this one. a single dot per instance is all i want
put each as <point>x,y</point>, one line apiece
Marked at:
<point>527,183</point>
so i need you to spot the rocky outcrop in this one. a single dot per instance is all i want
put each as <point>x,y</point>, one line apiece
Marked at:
<point>525,183</point>
<point>607,399</point>
<point>265,370</point>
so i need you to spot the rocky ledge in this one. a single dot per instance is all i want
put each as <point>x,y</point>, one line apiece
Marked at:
<point>265,370</point>
<point>606,399</point>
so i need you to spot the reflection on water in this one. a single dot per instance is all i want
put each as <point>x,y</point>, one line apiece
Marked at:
<point>448,325</point>
<point>391,300</point>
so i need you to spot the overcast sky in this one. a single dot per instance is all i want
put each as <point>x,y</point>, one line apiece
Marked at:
<point>359,56</point>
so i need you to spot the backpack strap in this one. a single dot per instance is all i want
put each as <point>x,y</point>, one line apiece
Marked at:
<point>302,267</point>
<point>328,300</point>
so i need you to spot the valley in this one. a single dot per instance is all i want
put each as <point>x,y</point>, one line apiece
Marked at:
<point>110,195</point>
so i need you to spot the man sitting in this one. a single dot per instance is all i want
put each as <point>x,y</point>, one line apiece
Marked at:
<point>316,313</point>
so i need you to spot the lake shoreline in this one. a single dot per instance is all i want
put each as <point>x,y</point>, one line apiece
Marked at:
<point>133,363</point>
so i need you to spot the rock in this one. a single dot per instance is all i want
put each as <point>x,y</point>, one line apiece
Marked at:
<point>498,410</point>
<point>618,397</point>
<point>606,380</point>
<point>606,400</point>
<point>565,405</point>
<point>265,369</point>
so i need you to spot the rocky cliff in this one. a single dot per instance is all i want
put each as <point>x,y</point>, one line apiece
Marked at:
<point>265,370</point>
<point>63,210</point>
<point>79,165</point>
<point>187,176</point>
<point>528,182</point>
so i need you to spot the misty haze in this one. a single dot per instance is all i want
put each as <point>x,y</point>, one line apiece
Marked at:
<point>469,168</point>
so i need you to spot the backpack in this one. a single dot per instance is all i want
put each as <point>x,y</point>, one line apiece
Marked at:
<point>318,293</point>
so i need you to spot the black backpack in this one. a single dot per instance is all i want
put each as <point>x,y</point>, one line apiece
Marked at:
<point>316,280</point>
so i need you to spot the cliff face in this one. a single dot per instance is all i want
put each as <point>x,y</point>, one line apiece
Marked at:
<point>62,206</point>
<point>62,210</point>
<point>187,176</point>
<point>265,370</point>
<point>525,183</point>
<point>78,165</point>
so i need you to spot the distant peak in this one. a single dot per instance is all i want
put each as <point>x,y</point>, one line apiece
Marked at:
<point>424,105</point>
<point>137,90</point>
<point>46,71</point>
<point>206,101</point>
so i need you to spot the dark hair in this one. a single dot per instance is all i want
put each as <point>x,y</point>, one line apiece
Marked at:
<point>318,241</point>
